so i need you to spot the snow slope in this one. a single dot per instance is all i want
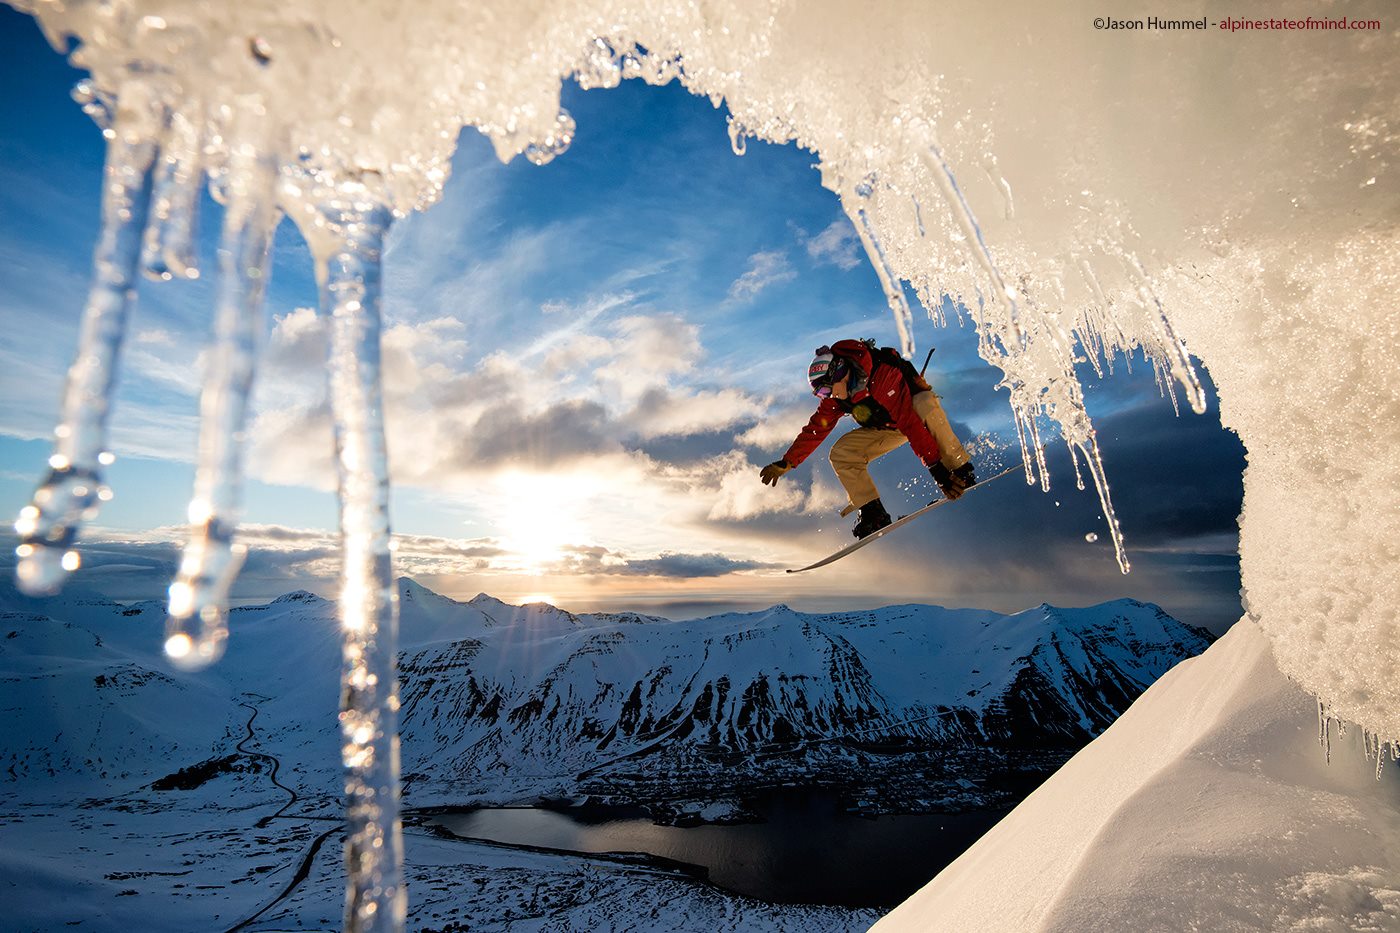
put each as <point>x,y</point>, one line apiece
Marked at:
<point>1207,806</point>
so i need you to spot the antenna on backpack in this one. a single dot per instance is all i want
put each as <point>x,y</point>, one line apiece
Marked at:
<point>926,359</point>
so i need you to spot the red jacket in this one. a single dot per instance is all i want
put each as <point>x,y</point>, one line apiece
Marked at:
<point>884,401</point>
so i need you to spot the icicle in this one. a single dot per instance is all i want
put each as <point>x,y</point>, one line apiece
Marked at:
<point>1002,294</point>
<point>1095,465</point>
<point>1166,386</point>
<point>1323,738</point>
<point>1031,443</point>
<point>196,628</point>
<point>1074,462</point>
<point>353,221</point>
<point>889,281</point>
<point>70,494</point>
<point>1002,186</point>
<point>962,212</point>
<point>168,251</point>
<point>1172,346</point>
<point>1019,420</point>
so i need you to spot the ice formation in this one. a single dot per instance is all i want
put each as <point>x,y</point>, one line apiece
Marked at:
<point>1227,196</point>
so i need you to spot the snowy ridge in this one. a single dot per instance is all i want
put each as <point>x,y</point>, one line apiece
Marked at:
<point>505,702</point>
<point>1208,805</point>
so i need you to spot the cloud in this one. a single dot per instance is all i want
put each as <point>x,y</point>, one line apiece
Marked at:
<point>573,357</point>
<point>299,340</point>
<point>837,245</point>
<point>579,317</point>
<point>662,413</point>
<point>688,566</point>
<point>649,352</point>
<point>157,364</point>
<point>157,336</point>
<point>559,434</point>
<point>775,432</point>
<point>280,559</point>
<point>600,561</point>
<point>294,446</point>
<point>608,432</point>
<point>765,269</point>
<point>742,496</point>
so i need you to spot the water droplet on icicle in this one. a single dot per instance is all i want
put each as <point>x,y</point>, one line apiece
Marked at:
<point>737,137</point>
<point>556,143</point>
<point>99,107</point>
<point>601,68</point>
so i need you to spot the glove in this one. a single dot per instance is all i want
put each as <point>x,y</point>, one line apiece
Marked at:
<point>951,484</point>
<point>772,471</point>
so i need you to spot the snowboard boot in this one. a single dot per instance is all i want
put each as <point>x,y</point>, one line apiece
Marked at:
<point>873,517</point>
<point>966,475</point>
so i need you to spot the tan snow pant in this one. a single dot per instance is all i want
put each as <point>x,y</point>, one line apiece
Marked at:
<point>853,453</point>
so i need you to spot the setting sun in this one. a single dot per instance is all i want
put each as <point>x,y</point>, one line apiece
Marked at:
<point>541,515</point>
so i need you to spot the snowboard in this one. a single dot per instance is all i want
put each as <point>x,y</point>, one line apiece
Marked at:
<point>856,546</point>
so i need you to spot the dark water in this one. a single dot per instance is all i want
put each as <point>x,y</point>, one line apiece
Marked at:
<point>808,851</point>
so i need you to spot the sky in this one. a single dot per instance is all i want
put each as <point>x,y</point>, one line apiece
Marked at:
<point>587,363</point>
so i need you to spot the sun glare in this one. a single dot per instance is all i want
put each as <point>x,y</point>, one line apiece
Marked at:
<point>540,516</point>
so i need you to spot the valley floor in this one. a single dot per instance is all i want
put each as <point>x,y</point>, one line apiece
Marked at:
<point>205,863</point>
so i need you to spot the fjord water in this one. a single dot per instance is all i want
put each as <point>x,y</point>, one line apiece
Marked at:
<point>806,851</point>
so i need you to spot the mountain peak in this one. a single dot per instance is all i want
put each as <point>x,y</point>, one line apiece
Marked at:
<point>410,589</point>
<point>484,599</point>
<point>298,596</point>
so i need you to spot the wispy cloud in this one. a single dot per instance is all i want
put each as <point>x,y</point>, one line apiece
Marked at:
<point>576,319</point>
<point>765,269</point>
<point>155,336</point>
<point>837,245</point>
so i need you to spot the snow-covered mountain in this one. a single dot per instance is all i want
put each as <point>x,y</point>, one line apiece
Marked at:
<point>502,702</point>
<point>635,707</point>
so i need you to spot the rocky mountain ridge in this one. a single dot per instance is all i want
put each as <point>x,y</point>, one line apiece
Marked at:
<point>915,706</point>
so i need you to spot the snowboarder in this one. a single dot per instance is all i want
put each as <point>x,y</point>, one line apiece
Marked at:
<point>892,403</point>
